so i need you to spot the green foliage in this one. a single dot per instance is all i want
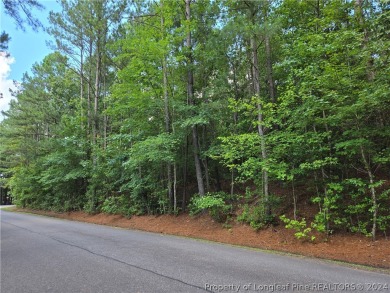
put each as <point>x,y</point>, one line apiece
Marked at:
<point>329,205</point>
<point>217,204</point>
<point>142,167</point>
<point>26,190</point>
<point>302,231</point>
<point>22,13</point>
<point>64,175</point>
<point>254,216</point>
<point>120,205</point>
<point>241,152</point>
<point>384,211</point>
<point>109,125</point>
<point>357,214</point>
<point>111,205</point>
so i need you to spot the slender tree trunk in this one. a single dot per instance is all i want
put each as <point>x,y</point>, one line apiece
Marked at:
<point>95,123</point>
<point>89,102</point>
<point>359,12</point>
<point>206,173</point>
<point>236,96</point>
<point>360,17</point>
<point>295,198</point>
<point>95,120</point>
<point>270,78</point>
<point>81,82</point>
<point>190,93</point>
<point>205,162</point>
<point>165,77</point>
<point>260,127</point>
<point>370,77</point>
<point>373,193</point>
<point>268,57</point>
<point>172,198</point>
<point>166,98</point>
<point>232,183</point>
<point>185,171</point>
<point>96,96</point>
<point>198,167</point>
<point>174,188</point>
<point>105,126</point>
<point>326,208</point>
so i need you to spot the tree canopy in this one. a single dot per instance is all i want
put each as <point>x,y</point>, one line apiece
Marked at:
<point>163,106</point>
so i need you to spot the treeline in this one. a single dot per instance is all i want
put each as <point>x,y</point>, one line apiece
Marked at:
<point>149,106</point>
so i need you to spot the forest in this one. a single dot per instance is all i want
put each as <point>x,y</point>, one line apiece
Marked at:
<point>247,110</point>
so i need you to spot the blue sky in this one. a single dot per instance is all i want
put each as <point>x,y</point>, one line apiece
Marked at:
<point>25,48</point>
<point>28,47</point>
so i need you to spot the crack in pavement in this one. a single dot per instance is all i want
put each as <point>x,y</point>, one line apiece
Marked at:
<point>111,258</point>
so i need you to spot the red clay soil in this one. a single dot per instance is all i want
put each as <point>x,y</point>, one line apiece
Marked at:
<point>347,248</point>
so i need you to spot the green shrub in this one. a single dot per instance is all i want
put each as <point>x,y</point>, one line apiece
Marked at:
<point>252,215</point>
<point>112,205</point>
<point>217,204</point>
<point>255,215</point>
<point>119,205</point>
<point>302,231</point>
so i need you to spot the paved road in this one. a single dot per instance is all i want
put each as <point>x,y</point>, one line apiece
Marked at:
<point>40,254</point>
<point>6,206</point>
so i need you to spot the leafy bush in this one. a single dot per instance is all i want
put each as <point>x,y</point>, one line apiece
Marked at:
<point>253,215</point>
<point>120,205</point>
<point>257,215</point>
<point>112,205</point>
<point>302,231</point>
<point>215,203</point>
<point>25,188</point>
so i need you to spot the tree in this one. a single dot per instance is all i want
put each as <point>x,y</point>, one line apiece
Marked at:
<point>33,132</point>
<point>4,40</point>
<point>152,99</point>
<point>84,36</point>
<point>329,84</point>
<point>190,95</point>
<point>22,12</point>
<point>249,13</point>
<point>14,9</point>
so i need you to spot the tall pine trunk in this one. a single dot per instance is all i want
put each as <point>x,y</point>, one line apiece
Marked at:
<point>260,128</point>
<point>190,93</point>
<point>270,78</point>
<point>171,192</point>
<point>81,81</point>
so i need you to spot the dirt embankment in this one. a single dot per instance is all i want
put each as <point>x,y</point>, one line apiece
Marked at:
<point>347,248</point>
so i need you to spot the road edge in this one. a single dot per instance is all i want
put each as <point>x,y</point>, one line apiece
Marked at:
<point>343,263</point>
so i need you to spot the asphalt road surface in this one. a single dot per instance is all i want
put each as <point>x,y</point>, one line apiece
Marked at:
<point>41,254</point>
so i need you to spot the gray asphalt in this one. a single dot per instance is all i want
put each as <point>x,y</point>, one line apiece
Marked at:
<point>41,254</point>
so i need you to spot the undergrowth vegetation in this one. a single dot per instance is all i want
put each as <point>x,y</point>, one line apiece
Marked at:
<point>179,111</point>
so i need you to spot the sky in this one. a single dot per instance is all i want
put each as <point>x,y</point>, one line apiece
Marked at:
<point>25,48</point>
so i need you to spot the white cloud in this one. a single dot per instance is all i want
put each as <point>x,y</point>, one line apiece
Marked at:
<point>5,83</point>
